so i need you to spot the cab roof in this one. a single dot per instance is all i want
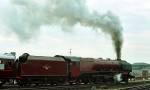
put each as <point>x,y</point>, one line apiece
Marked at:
<point>73,58</point>
<point>7,56</point>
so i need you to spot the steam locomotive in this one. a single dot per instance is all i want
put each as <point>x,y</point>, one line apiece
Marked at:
<point>28,69</point>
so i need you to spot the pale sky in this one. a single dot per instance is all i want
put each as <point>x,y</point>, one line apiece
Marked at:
<point>134,16</point>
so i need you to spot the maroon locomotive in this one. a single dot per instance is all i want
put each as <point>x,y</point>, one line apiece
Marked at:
<point>29,69</point>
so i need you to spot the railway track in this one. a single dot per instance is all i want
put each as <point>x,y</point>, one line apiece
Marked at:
<point>136,85</point>
<point>139,85</point>
<point>49,87</point>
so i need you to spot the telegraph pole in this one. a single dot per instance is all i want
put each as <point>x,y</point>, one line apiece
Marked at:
<point>70,51</point>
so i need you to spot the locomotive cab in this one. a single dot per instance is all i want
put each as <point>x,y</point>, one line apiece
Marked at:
<point>74,66</point>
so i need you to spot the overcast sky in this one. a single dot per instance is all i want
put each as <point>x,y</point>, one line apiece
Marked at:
<point>50,40</point>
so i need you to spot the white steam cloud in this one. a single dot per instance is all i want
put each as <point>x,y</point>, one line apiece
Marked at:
<point>26,16</point>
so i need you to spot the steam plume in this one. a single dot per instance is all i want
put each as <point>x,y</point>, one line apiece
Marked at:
<point>28,15</point>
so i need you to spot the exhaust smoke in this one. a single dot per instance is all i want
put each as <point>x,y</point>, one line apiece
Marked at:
<point>26,16</point>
